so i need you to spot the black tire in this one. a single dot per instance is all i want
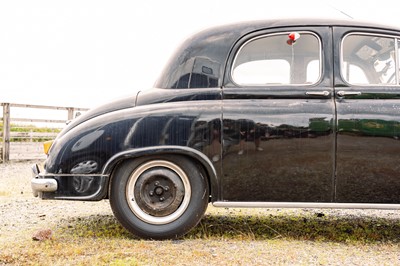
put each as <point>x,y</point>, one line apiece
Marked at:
<point>160,197</point>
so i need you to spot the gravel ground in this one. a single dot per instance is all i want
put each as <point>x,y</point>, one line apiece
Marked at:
<point>22,215</point>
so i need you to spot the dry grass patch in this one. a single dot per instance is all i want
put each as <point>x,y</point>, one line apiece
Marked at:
<point>224,237</point>
<point>310,225</point>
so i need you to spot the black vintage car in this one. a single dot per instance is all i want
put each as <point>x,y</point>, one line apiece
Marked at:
<point>285,113</point>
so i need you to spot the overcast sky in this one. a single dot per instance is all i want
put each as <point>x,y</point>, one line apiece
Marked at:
<point>83,53</point>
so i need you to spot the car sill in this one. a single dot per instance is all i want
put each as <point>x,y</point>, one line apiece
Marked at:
<point>307,205</point>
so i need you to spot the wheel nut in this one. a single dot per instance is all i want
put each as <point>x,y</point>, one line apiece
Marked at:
<point>151,193</point>
<point>166,188</point>
<point>157,183</point>
<point>159,191</point>
<point>162,199</point>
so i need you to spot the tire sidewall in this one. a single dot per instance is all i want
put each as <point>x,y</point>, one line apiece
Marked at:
<point>190,217</point>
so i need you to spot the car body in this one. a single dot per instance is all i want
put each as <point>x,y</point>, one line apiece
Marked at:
<point>283,113</point>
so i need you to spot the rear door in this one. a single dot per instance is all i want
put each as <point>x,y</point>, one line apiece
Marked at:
<point>278,117</point>
<point>368,111</point>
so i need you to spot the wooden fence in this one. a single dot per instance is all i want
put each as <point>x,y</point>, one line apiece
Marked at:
<point>20,137</point>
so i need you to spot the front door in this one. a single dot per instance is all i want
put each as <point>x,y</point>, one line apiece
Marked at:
<point>368,110</point>
<point>279,118</point>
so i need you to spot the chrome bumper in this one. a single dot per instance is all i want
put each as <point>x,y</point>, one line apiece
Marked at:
<point>41,184</point>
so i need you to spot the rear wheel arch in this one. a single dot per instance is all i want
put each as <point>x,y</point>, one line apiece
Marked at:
<point>202,163</point>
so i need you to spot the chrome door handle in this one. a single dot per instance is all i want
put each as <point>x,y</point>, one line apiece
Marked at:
<point>318,93</point>
<point>348,93</point>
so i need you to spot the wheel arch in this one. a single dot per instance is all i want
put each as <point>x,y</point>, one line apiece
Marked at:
<point>196,156</point>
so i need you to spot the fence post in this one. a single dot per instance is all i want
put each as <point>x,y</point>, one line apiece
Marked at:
<point>70,113</point>
<point>6,132</point>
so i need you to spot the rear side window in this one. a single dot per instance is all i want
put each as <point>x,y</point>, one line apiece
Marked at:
<point>279,59</point>
<point>370,60</point>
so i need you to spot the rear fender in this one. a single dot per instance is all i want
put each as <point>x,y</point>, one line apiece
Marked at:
<point>195,155</point>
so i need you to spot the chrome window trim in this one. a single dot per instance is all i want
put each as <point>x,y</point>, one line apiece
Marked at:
<point>396,39</point>
<point>279,85</point>
<point>396,48</point>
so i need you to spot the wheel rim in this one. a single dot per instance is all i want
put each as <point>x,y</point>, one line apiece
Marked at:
<point>158,192</point>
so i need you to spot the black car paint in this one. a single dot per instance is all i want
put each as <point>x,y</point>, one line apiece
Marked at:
<point>314,150</point>
<point>367,164</point>
<point>283,172</point>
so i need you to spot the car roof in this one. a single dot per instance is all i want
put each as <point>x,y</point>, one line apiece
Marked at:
<point>199,62</point>
<point>260,24</point>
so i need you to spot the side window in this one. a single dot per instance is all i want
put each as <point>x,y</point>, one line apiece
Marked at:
<point>279,59</point>
<point>370,60</point>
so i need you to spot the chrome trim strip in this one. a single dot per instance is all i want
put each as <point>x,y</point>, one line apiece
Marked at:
<point>83,198</point>
<point>372,34</point>
<point>310,32</point>
<point>397,66</point>
<point>66,175</point>
<point>305,205</point>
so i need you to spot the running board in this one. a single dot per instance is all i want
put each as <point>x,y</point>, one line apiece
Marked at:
<point>306,205</point>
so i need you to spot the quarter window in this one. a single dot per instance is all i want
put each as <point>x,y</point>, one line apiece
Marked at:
<point>278,59</point>
<point>370,60</point>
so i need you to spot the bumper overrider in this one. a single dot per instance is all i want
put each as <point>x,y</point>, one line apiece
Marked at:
<point>40,183</point>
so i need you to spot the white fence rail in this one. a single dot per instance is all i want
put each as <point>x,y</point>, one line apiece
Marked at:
<point>24,127</point>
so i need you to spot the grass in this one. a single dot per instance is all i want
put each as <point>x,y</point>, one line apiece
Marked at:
<point>224,236</point>
<point>255,225</point>
<point>29,129</point>
<point>305,227</point>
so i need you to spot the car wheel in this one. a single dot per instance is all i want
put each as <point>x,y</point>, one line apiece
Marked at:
<point>159,198</point>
